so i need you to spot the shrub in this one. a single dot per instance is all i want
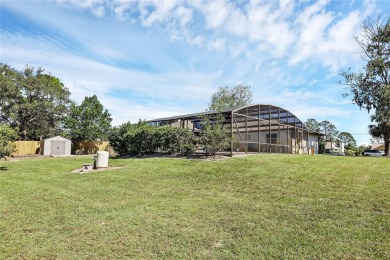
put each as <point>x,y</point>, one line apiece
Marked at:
<point>7,136</point>
<point>214,137</point>
<point>142,138</point>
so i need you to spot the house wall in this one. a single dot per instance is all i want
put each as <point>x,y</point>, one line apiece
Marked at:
<point>313,142</point>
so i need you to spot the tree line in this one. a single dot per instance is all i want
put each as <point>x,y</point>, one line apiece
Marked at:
<point>330,134</point>
<point>35,105</point>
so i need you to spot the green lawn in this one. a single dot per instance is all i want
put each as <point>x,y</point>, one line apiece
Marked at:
<point>261,206</point>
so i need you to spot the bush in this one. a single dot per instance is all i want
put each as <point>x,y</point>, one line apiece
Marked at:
<point>7,136</point>
<point>214,137</point>
<point>142,138</point>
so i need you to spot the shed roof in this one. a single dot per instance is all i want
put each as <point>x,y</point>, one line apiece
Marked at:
<point>57,138</point>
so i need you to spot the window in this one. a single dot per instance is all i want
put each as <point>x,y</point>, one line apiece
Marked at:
<point>273,139</point>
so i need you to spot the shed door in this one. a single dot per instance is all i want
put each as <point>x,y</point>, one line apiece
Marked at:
<point>57,147</point>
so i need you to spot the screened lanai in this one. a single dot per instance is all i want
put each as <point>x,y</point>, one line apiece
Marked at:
<point>256,129</point>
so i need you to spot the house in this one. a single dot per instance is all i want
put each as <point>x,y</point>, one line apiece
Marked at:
<point>334,147</point>
<point>255,129</point>
<point>376,146</point>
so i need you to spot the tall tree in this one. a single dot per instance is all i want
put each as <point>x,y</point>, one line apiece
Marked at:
<point>32,102</point>
<point>313,125</point>
<point>329,130</point>
<point>370,89</point>
<point>347,139</point>
<point>88,121</point>
<point>227,97</point>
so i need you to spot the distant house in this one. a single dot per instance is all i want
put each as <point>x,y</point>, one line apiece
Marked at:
<point>334,147</point>
<point>380,147</point>
<point>255,129</point>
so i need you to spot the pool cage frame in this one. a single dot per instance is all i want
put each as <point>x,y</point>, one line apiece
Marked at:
<point>267,129</point>
<point>254,129</point>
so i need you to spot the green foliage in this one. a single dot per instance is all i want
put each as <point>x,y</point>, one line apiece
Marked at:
<point>347,139</point>
<point>313,125</point>
<point>381,131</point>
<point>214,137</point>
<point>331,134</point>
<point>142,138</point>
<point>117,138</point>
<point>370,89</point>
<point>88,121</point>
<point>330,131</point>
<point>32,102</point>
<point>7,136</point>
<point>227,97</point>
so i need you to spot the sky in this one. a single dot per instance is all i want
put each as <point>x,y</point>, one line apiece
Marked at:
<point>150,59</point>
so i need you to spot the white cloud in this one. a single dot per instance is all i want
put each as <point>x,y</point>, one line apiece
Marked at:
<point>303,31</point>
<point>216,13</point>
<point>218,45</point>
<point>97,7</point>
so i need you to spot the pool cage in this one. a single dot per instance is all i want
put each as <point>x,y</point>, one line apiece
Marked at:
<point>267,129</point>
<point>255,129</point>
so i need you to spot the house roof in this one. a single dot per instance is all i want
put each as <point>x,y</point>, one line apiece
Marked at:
<point>333,146</point>
<point>228,111</point>
<point>380,147</point>
<point>194,115</point>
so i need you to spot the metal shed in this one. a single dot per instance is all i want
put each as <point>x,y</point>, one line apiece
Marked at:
<point>56,146</point>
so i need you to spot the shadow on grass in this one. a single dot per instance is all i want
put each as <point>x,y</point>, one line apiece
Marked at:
<point>2,168</point>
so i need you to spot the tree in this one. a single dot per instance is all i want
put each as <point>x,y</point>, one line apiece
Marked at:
<point>88,121</point>
<point>32,102</point>
<point>370,89</point>
<point>7,136</point>
<point>227,97</point>
<point>380,131</point>
<point>327,128</point>
<point>213,136</point>
<point>347,139</point>
<point>330,131</point>
<point>313,125</point>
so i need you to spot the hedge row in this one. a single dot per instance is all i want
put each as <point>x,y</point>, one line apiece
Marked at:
<point>142,138</point>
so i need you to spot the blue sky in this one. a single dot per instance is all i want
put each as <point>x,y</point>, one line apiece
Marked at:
<point>150,59</point>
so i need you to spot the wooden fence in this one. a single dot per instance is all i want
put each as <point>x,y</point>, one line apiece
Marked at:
<point>27,147</point>
<point>91,147</point>
<point>33,147</point>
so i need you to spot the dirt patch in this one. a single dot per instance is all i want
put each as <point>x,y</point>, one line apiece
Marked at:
<point>178,156</point>
<point>81,171</point>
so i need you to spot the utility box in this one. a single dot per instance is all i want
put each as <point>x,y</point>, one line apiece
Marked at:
<point>102,159</point>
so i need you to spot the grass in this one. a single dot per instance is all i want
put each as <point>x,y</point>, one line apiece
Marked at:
<point>262,206</point>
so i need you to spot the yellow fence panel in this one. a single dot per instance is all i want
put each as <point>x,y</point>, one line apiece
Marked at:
<point>91,147</point>
<point>33,147</point>
<point>27,147</point>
